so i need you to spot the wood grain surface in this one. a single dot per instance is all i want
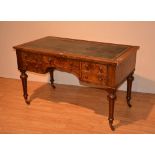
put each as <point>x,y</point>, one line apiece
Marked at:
<point>71,109</point>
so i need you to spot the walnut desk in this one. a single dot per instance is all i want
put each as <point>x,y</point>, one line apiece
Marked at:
<point>102,65</point>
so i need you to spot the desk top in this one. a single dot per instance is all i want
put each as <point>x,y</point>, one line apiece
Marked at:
<point>64,46</point>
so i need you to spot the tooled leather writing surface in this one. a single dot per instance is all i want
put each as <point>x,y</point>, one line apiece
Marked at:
<point>77,47</point>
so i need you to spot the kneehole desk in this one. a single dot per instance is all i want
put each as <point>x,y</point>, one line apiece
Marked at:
<point>101,65</point>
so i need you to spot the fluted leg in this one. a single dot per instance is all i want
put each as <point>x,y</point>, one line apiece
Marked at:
<point>24,77</point>
<point>52,78</point>
<point>111,98</point>
<point>130,79</point>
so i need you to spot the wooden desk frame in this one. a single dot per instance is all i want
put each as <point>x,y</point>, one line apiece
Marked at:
<point>107,74</point>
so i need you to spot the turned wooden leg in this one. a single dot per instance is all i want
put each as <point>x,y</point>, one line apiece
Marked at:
<point>52,78</point>
<point>24,77</point>
<point>111,98</point>
<point>130,79</point>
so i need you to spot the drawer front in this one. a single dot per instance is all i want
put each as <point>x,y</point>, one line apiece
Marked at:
<point>69,65</point>
<point>37,58</point>
<point>35,67</point>
<point>94,73</point>
<point>40,63</point>
<point>35,62</point>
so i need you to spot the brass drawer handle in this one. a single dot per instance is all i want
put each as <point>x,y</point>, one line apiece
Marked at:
<point>87,67</point>
<point>49,59</point>
<point>86,76</point>
<point>100,69</point>
<point>100,78</point>
<point>71,64</point>
<point>37,66</point>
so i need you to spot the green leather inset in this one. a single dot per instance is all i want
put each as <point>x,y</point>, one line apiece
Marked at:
<point>79,47</point>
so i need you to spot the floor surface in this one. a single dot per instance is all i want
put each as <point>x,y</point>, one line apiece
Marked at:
<point>71,109</point>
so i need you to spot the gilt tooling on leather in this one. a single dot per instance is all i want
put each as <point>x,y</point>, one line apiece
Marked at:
<point>79,47</point>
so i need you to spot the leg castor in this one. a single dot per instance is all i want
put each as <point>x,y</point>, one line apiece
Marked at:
<point>111,124</point>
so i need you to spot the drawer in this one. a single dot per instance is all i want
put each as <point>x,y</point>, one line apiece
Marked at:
<point>40,63</point>
<point>31,57</point>
<point>35,67</point>
<point>36,62</point>
<point>35,58</point>
<point>94,73</point>
<point>65,64</point>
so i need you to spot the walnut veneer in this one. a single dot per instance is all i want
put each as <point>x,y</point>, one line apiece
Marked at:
<point>103,65</point>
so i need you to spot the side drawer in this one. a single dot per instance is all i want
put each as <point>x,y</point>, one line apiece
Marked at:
<point>37,58</point>
<point>94,73</point>
<point>35,62</point>
<point>40,63</point>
